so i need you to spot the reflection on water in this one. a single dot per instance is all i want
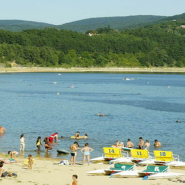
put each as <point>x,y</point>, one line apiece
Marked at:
<point>148,106</point>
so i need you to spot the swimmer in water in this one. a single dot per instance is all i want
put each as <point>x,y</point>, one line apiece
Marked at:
<point>77,135</point>
<point>157,144</point>
<point>85,136</point>
<point>101,114</point>
<point>2,130</point>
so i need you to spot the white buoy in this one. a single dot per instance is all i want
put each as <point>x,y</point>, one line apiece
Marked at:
<point>58,93</point>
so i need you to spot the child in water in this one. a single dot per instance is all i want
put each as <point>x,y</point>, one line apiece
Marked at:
<point>38,143</point>
<point>30,161</point>
<point>75,181</point>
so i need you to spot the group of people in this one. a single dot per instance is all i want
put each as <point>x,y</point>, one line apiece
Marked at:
<point>77,136</point>
<point>141,144</point>
<point>47,141</point>
<point>86,150</point>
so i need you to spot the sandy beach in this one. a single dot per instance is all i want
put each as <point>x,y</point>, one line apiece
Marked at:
<point>47,172</point>
<point>75,69</point>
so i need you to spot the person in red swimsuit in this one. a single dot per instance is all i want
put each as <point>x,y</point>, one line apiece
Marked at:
<point>54,137</point>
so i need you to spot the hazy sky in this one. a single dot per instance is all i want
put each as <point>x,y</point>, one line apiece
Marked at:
<point>63,11</point>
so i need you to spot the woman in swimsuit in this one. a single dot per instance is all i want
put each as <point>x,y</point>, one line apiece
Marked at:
<point>38,143</point>
<point>86,151</point>
<point>47,145</point>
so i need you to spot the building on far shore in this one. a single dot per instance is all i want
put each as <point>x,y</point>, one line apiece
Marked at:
<point>182,26</point>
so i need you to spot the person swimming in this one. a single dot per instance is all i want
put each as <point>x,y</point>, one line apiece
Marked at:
<point>157,144</point>
<point>85,136</point>
<point>2,130</point>
<point>77,135</point>
<point>101,114</point>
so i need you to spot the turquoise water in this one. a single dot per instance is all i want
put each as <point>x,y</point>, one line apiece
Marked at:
<point>147,107</point>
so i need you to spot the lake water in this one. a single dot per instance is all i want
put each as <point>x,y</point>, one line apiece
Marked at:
<point>147,107</point>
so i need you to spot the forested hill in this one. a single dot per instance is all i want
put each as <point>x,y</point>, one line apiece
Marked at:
<point>155,45</point>
<point>19,25</point>
<point>119,23</point>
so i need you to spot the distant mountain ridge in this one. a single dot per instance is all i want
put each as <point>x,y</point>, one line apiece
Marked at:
<point>120,23</point>
<point>19,25</point>
<point>83,25</point>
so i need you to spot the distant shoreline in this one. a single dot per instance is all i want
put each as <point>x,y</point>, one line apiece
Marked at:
<point>93,69</point>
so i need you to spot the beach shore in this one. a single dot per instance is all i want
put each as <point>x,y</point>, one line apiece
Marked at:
<point>47,172</point>
<point>74,70</point>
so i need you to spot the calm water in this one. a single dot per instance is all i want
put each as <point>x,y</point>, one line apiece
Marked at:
<point>37,110</point>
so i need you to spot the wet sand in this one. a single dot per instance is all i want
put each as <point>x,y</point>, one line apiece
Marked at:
<point>105,69</point>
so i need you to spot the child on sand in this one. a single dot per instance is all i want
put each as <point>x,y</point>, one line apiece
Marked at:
<point>86,151</point>
<point>30,161</point>
<point>75,181</point>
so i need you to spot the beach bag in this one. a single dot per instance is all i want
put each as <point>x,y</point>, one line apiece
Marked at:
<point>64,162</point>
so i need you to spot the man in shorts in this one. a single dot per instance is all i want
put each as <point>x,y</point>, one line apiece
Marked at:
<point>74,148</point>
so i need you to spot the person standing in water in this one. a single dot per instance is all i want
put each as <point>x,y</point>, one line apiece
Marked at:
<point>147,145</point>
<point>130,144</point>
<point>22,143</point>
<point>86,153</point>
<point>157,144</point>
<point>39,143</point>
<point>141,143</point>
<point>47,145</point>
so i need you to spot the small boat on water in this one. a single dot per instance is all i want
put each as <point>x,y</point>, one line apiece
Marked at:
<point>61,151</point>
<point>59,74</point>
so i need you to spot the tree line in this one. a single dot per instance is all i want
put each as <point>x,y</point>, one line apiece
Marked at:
<point>151,46</point>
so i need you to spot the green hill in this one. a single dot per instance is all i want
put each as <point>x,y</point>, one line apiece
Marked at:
<point>19,25</point>
<point>120,23</point>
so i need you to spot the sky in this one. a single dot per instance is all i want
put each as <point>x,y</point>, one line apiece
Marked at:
<point>64,11</point>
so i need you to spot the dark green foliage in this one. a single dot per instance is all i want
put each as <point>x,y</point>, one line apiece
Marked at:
<point>155,45</point>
